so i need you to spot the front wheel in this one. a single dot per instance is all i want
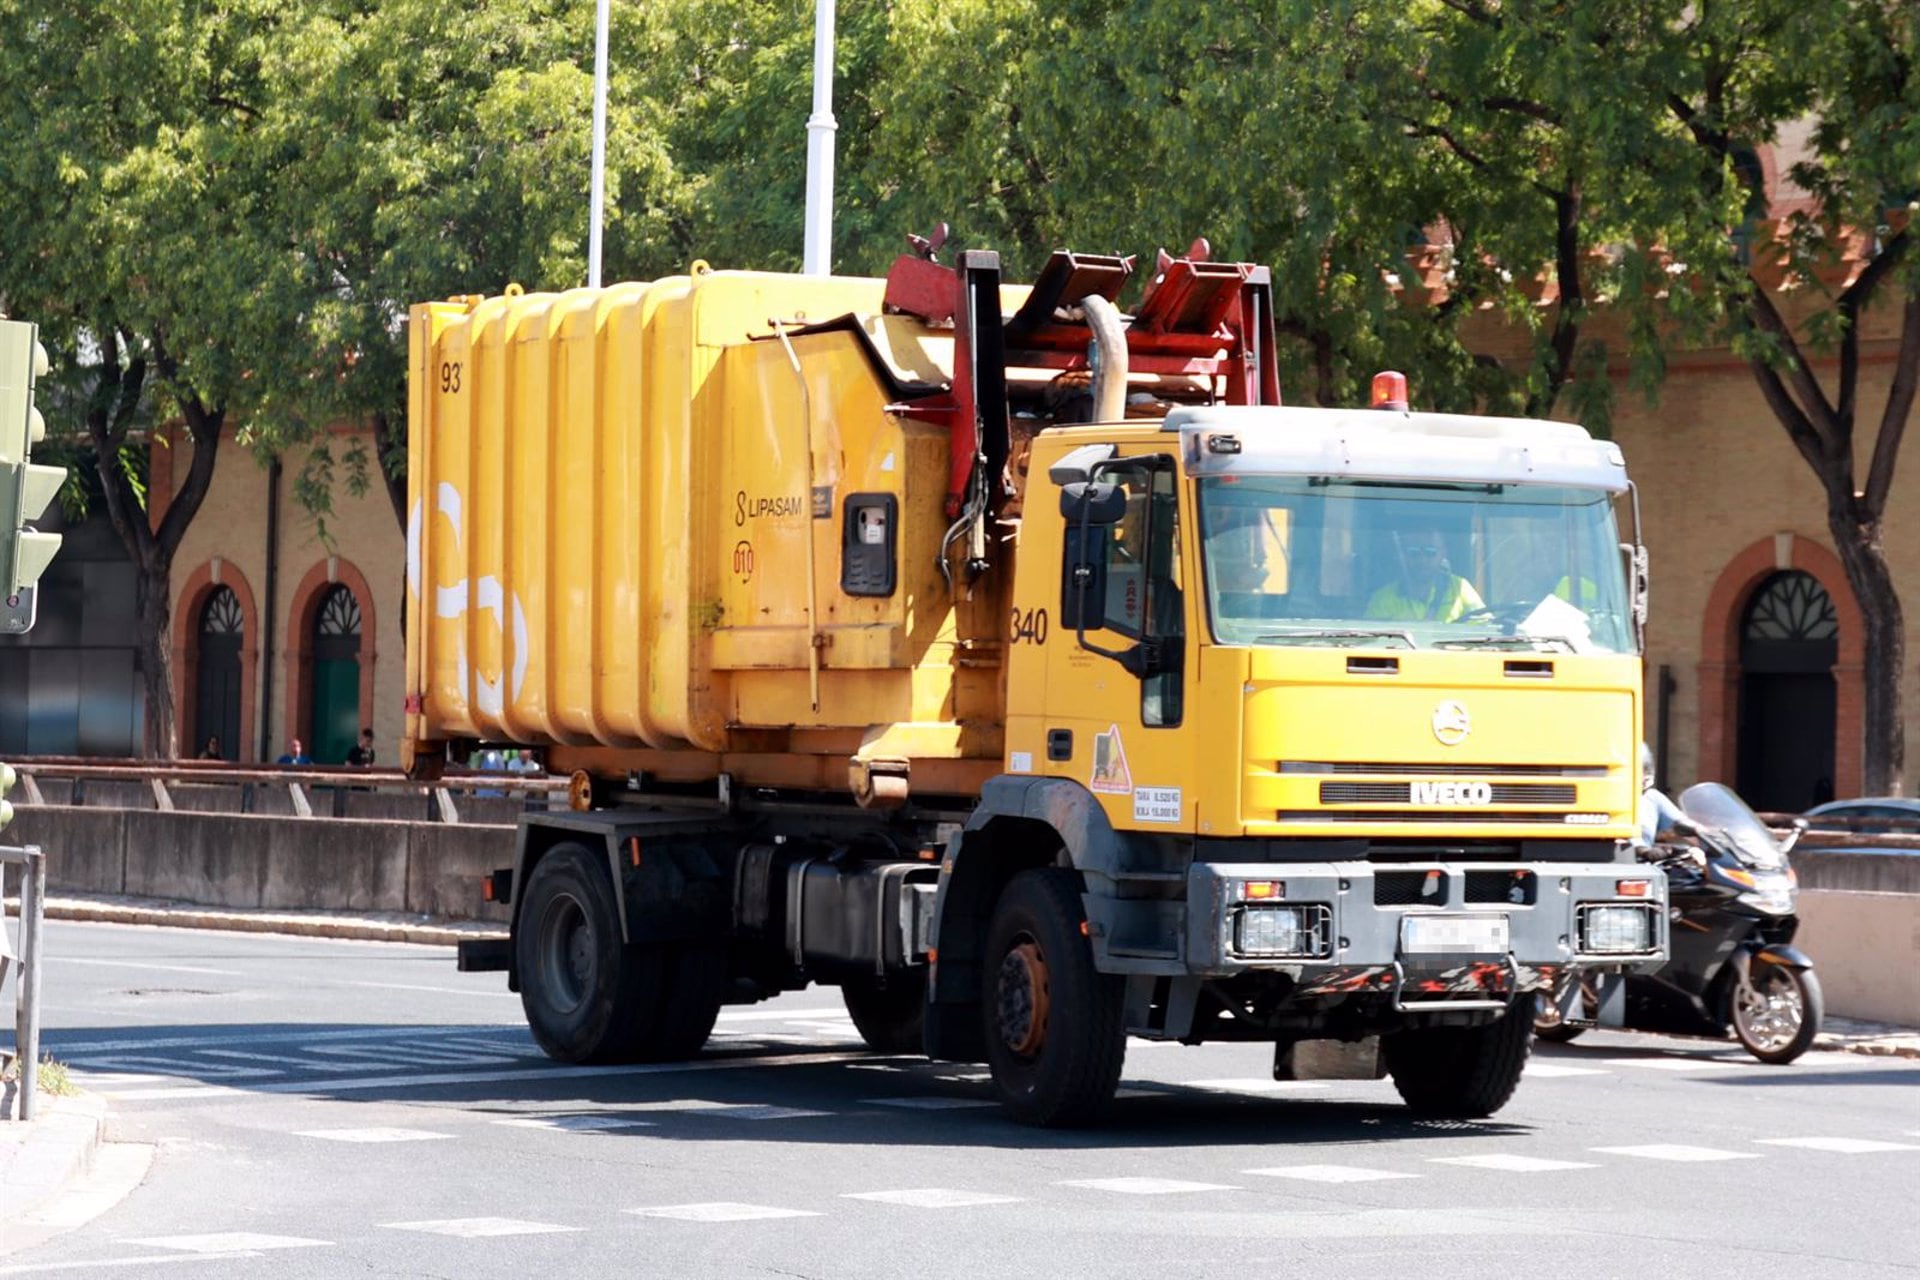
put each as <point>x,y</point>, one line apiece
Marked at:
<point>1461,1072</point>
<point>1055,1026</point>
<point>1777,1012</point>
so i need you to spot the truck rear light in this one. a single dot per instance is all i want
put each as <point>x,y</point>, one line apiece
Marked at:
<point>1616,930</point>
<point>1255,890</point>
<point>1634,888</point>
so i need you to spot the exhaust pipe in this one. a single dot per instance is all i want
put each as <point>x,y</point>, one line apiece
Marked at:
<point>1108,356</point>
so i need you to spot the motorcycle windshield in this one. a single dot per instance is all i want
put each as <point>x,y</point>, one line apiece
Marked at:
<point>1715,806</point>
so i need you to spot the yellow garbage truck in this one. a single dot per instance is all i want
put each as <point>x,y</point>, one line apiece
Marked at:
<point>1019,665</point>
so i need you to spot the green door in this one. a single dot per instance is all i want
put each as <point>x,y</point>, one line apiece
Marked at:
<point>335,710</point>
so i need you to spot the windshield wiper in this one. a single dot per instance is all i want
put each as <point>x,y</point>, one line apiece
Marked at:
<point>1334,633</point>
<point>1504,642</point>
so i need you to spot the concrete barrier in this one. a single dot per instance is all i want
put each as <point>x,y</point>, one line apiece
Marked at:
<point>257,861</point>
<point>1866,951</point>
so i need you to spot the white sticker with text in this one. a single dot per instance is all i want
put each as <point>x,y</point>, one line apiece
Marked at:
<point>1020,762</point>
<point>1156,804</point>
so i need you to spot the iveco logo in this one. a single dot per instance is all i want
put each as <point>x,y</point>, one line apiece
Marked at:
<point>1451,724</point>
<point>1453,793</point>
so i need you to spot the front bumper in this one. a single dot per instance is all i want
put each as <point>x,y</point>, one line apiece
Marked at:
<point>1506,927</point>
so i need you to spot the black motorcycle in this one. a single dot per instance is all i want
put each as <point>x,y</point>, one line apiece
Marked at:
<point>1732,965</point>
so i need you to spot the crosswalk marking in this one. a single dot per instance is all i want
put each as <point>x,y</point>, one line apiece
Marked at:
<point>722,1211</point>
<point>1512,1163</point>
<point>408,1053</point>
<point>1678,1152</point>
<point>577,1123</point>
<point>933,1198</point>
<point>291,1062</point>
<point>176,1067</point>
<point>1677,1064</point>
<point>1843,1146</point>
<point>1256,1084</point>
<point>1328,1173</point>
<point>764,1112</point>
<point>372,1135</point>
<point>1144,1186</point>
<point>1553,1071</point>
<point>228,1242</point>
<point>480,1228</point>
<point>935,1103</point>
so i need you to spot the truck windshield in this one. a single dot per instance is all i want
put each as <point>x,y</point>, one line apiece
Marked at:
<point>1296,560</point>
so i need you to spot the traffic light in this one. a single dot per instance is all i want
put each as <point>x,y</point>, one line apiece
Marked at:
<point>25,489</point>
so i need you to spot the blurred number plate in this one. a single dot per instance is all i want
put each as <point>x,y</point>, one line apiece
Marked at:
<point>1455,935</point>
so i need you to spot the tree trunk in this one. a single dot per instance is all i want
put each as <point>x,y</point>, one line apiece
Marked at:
<point>153,607</point>
<point>1863,553</point>
<point>387,441</point>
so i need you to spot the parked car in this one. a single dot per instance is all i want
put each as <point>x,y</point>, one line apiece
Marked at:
<point>1869,815</point>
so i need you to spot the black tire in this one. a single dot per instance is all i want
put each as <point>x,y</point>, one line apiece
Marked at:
<point>1461,1072</point>
<point>696,983</point>
<point>587,997</point>
<point>1055,1026</point>
<point>1763,1018</point>
<point>891,1015</point>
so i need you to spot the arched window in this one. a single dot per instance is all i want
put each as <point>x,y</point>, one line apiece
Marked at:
<point>1789,641</point>
<point>336,676</point>
<point>218,685</point>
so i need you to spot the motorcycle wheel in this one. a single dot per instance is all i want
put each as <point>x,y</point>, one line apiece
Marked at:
<point>1548,1022</point>
<point>1777,1014</point>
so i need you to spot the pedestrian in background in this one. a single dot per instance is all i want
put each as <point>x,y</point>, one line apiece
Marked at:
<point>296,753</point>
<point>211,751</point>
<point>360,755</point>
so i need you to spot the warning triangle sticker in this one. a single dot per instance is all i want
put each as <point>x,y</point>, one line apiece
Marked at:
<point>1110,774</point>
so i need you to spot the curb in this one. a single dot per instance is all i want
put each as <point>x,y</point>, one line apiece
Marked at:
<point>53,1151</point>
<point>294,925</point>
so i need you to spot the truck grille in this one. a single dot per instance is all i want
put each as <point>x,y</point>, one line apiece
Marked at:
<point>1402,793</point>
<point>1552,817</point>
<point>1363,768</point>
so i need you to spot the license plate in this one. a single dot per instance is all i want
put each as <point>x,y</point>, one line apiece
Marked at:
<point>1454,935</point>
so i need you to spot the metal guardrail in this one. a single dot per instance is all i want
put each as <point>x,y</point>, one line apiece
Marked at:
<point>25,962</point>
<point>303,783</point>
<point>1835,832</point>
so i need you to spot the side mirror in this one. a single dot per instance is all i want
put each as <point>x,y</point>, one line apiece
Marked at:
<point>1088,502</point>
<point>1083,584</point>
<point>1637,573</point>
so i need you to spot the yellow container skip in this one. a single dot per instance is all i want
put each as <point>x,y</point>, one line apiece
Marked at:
<point>628,517</point>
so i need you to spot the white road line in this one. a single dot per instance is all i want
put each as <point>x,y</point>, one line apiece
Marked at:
<point>480,1228</point>
<point>137,1260</point>
<point>178,1068</point>
<point>371,1135</point>
<point>1144,1186</point>
<point>228,1242</point>
<point>289,1061</point>
<point>105,1078</point>
<point>1678,1064</point>
<point>751,1015</point>
<point>301,1037</point>
<point>1843,1146</point>
<point>935,1103</point>
<point>753,1112</point>
<point>142,964</point>
<point>1255,1084</point>
<point>1328,1173</point>
<point>577,1123</point>
<point>173,1094</point>
<point>1512,1164</point>
<point>394,1054</point>
<point>932,1198</point>
<point>1555,1071</point>
<point>1678,1152</point>
<point>442,991</point>
<point>721,1211</point>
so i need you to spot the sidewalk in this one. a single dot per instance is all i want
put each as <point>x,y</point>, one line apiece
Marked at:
<point>41,1156</point>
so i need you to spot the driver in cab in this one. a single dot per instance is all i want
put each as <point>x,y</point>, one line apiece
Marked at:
<point>1427,589</point>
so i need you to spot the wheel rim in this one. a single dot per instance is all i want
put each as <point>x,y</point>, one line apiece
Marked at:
<point>1023,998</point>
<point>567,954</point>
<point>1768,1014</point>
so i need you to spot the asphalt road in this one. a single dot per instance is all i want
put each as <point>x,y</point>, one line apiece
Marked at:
<point>294,1107</point>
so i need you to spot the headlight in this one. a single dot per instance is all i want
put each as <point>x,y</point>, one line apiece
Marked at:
<point>1282,931</point>
<point>1616,930</point>
<point>1774,896</point>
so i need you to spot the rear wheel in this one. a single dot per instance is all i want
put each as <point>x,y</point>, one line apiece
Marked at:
<point>1777,1012</point>
<point>890,1014</point>
<point>1055,1026</point>
<point>588,996</point>
<point>1463,1072</point>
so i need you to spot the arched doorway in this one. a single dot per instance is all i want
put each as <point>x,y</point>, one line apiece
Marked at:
<point>219,683</point>
<point>335,710</point>
<point>1789,642</point>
